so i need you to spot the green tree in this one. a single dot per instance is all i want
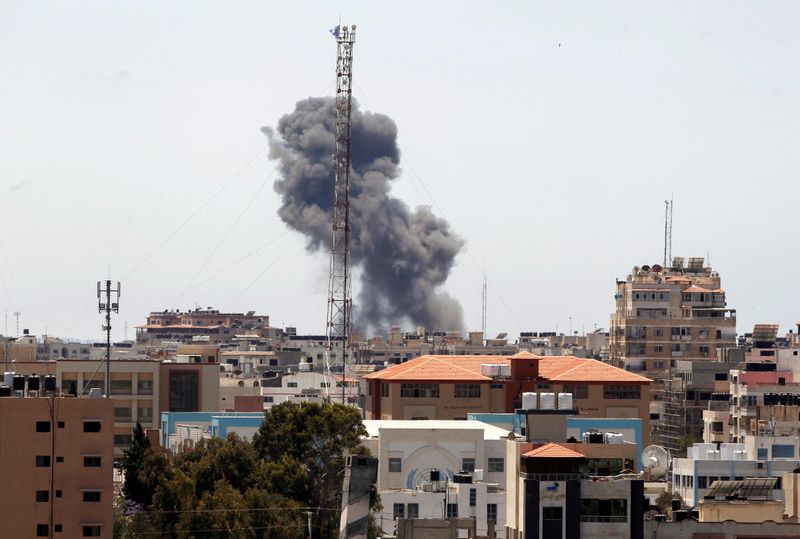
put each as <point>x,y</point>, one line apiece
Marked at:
<point>311,440</point>
<point>133,488</point>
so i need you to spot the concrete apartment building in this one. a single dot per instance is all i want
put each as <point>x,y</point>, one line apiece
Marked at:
<point>666,314</point>
<point>408,451</point>
<point>140,389</point>
<point>209,324</point>
<point>450,387</point>
<point>56,456</point>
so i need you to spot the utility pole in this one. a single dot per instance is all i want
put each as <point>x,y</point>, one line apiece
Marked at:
<point>108,304</point>
<point>338,322</point>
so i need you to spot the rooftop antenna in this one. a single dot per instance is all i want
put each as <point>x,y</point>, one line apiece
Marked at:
<point>483,305</point>
<point>108,304</point>
<point>16,315</point>
<point>667,232</point>
<point>339,323</point>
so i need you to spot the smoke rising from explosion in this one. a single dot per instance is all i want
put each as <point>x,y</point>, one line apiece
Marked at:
<point>404,255</point>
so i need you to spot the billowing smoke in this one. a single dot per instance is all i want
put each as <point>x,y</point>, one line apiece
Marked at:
<point>404,255</point>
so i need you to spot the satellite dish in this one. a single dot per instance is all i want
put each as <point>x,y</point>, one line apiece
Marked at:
<point>645,268</point>
<point>657,268</point>
<point>655,459</point>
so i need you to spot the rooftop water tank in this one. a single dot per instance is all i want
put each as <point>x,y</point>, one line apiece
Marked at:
<point>33,382</point>
<point>614,438</point>
<point>5,391</point>
<point>19,382</point>
<point>505,370</point>
<point>547,401</point>
<point>304,367</point>
<point>50,383</point>
<point>565,401</point>
<point>8,378</point>
<point>95,393</point>
<point>529,401</point>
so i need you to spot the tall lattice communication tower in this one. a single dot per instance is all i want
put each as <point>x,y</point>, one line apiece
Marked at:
<point>339,293</point>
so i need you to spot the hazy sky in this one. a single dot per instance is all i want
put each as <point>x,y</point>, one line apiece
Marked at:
<point>547,134</point>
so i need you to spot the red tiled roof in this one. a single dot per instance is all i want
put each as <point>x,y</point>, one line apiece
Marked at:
<point>553,451</point>
<point>468,368</point>
<point>696,289</point>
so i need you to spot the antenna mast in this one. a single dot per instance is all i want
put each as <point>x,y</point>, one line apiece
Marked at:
<point>108,306</point>
<point>667,232</point>
<point>483,306</point>
<point>339,293</point>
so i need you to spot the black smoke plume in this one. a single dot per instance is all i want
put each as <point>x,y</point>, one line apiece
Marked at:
<point>404,255</point>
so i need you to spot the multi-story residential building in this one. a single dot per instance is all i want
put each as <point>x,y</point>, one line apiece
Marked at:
<point>758,456</point>
<point>410,453</point>
<point>140,389</point>
<point>56,456</point>
<point>690,390</point>
<point>666,314</point>
<point>209,324</point>
<point>450,387</point>
<point>549,496</point>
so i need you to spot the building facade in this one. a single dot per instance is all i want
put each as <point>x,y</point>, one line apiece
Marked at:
<point>57,460</point>
<point>666,314</point>
<point>450,387</point>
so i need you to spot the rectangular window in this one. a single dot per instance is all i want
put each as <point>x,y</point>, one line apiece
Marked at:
<point>412,510</point>
<point>762,453</point>
<point>91,496</point>
<point>61,424</point>
<point>91,426</point>
<point>496,464</point>
<point>659,332</point>
<point>144,413</point>
<point>124,414</point>
<point>716,427</point>
<point>184,391</point>
<point>395,464</point>
<point>92,462</point>
<point>41,530</point>
<point>702,481</point>
<point>91,531</point>
<point>468,464</point>
<point>658,348</point>
<point>552,513</point>
<point>419,391</point>
<point>384,390</point>
<point>398,511</point>
<point>42,461</point>
<point>323,385</point>
<point>291,384</point>
<point>123,439</point>
<point>491,511</point>
<point>594,510</point>
<point>703,350</point>
<point>42,426</point>
<point>622,391</point>
<point>144,387</point>
<point>42,495</point>
<point>496,386</point>
<point>120,387</point>
<point>452,510</point>
<point>579,391</point>
<point>782,451</point>
<point>59,459</point>
<point>473,497</point>
<point>467,391</point>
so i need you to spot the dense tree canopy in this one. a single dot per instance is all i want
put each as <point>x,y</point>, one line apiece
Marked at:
<point>292,470</point>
